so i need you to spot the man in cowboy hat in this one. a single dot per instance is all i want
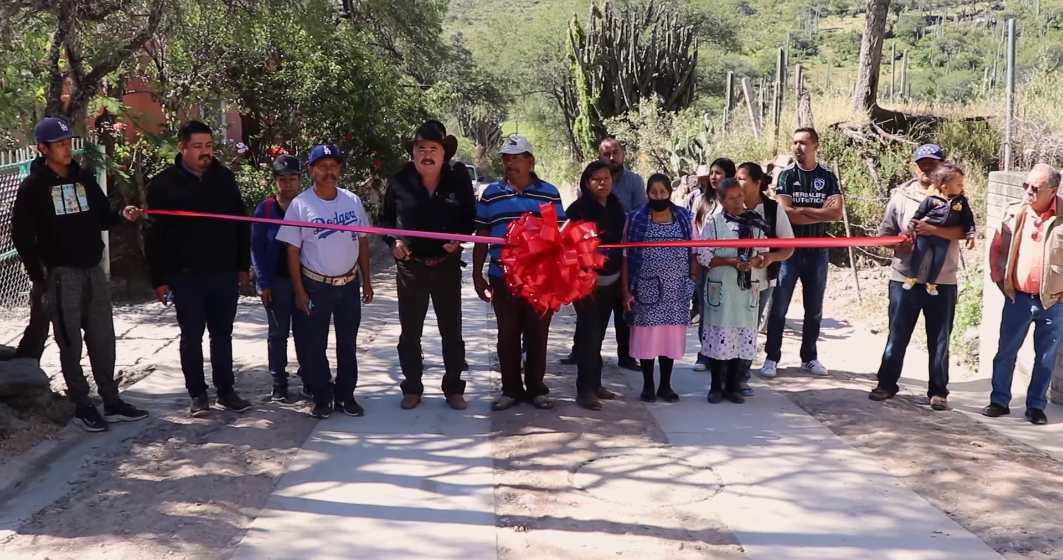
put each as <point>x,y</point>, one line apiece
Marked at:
<point>325,266</point>
<point>429,195</point>
<point>694,198</point>
<point>460,171</point>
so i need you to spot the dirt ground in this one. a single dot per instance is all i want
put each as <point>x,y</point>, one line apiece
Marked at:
<point>182,488</point>
<point>1002,491</point>
<point>536,454</point>
<point>185,488</point>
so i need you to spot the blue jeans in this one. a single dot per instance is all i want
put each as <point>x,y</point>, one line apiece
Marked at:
<point>1015,323</point>
<point>206,302</point>
<point>765,306</point>
<point>810,267</point>
<point>279,316</point>
<point>937,248</point>
<point>341,305</point>
<point>904,310</point>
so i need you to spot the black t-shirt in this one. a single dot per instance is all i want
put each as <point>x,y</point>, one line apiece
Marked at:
<point>808,188</point>
<point>282,260</point>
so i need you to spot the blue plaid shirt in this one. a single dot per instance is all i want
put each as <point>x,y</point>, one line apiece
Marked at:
<point>501,204</point>
<point>637,224</point>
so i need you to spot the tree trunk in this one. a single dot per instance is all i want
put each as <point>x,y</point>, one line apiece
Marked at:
<point>865,95</point>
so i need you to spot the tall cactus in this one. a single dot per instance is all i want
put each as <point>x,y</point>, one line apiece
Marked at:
<point>626,56</point>
<point>583,126</point>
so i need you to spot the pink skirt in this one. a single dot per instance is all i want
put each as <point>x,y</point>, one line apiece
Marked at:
<point>669,341</point>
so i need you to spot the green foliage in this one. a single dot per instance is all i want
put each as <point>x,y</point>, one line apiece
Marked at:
<point>968,314</point>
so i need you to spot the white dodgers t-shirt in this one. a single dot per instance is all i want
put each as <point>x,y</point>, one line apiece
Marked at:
<point>327,252</point>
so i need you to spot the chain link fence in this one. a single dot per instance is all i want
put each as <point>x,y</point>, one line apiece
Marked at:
<point>14,283</point>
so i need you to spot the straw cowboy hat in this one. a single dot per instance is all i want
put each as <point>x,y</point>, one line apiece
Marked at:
<point>431,132</point>
<point>703,171</point>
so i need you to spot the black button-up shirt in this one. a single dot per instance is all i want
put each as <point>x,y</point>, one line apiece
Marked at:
<point>407,205</point>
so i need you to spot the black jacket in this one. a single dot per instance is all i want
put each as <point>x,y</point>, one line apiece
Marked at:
<point>450,209</point>
<point>56,221</point>
<point>175,244</point>
<point>939,211</point>
<point>610,220</point>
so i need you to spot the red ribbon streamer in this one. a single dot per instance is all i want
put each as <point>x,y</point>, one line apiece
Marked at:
<point>773,243</point>
<point>551,266</point>
<point>338,227</point>
<point>547,266</point>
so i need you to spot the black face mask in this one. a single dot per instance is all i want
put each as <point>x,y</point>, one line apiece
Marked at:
<point>659,204</point>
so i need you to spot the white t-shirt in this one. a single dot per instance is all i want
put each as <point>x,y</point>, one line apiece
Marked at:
<point>327,252</point>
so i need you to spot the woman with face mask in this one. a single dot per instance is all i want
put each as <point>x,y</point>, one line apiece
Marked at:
<point>657,284</point>
<point>732,292</point>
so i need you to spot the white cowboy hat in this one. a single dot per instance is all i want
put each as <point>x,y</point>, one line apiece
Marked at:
<point>703,171</point>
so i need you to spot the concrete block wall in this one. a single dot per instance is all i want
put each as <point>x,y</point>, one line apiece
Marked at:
<point>1005,189</point>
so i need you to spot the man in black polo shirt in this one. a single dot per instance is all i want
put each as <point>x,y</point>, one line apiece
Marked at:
<point>809,192</point>
<point>429,196</point>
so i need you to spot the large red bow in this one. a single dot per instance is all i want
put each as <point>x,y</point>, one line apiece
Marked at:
<point>547,266</point>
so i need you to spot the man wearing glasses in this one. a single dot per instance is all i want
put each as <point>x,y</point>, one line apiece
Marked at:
<point>1024,261</point>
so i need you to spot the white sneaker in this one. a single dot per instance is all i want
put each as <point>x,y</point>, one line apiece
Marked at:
<point>814,367</point>
<point>769,369</point>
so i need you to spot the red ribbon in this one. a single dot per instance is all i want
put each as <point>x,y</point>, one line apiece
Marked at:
<point>547,266</point>
<point>550,266</point>
<point>339,227</point>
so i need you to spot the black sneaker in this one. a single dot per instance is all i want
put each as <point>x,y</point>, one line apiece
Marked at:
<point>351,408</point>
<point>233,402</point>
<point>123,412</point>
<point>279,394</point>
<point>995,410</point>
<point>200,407</point>
<point>569,360</point>
<point>321,410</point>
<point>88,418</point>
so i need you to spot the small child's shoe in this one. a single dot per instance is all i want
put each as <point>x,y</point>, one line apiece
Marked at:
<point>909,284</point>
<point>932,289</point>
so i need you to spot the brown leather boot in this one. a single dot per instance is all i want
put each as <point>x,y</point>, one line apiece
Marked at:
<point>588,401</point>
<point>410,402</point>
<point>604,394</point>
<point>457,402</point>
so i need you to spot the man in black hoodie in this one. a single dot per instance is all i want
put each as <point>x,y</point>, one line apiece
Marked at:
<point>200,263</point>
<point>59,213</point>
<point>429,195</point>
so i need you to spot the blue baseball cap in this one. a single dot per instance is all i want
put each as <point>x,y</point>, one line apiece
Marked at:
<point>325,151</point>
<point>929,151</point>
<point>51,130</point>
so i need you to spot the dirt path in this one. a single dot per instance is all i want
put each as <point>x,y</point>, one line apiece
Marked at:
<point>179,488</point>
<point>541,514</point>
<point>1000,489</point>
<point>1004,492</point>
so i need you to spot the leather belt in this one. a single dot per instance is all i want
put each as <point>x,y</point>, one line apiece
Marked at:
<point>330,280</point>
<point>432,261</point>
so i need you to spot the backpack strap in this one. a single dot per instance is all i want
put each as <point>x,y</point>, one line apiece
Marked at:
<point>270,203</point>
<point>771,214</point>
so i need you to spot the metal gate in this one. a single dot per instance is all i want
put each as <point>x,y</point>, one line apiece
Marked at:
<point>14,167</point>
